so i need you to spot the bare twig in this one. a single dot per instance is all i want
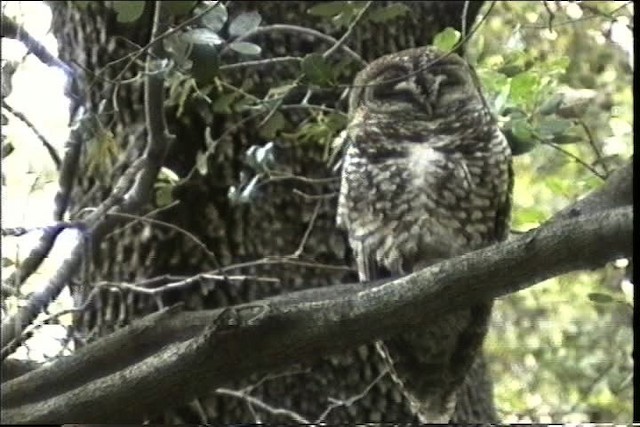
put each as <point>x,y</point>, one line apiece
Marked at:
<point>463,24</point>
<point>253,401</point>
<point>594,147</point>
<point>47,145</point>
<point>573,21</point>
<point>180,230</point>
<point>307,232</point>
<point>552,15</point>
<point>303,30</point>
<point>576,159</point>
<point>260,63</point>
<point>349,31</point>
<point>336,403</point>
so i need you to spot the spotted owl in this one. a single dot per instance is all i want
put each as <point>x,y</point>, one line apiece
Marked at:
<point>426,176</point>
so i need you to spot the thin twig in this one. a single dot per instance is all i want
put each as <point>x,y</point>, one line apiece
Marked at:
<point>262,405</point>
<point>552,15</point>
<point>180,230</point>
<point>307,232</point>
<point>302,30</point>
<point>49,147</point>
<point>349,31</point>
<point>336,403</point>
<point>260,63</point>
<point>465,11</point>
<point>594,147</point>
<point>576,159</point>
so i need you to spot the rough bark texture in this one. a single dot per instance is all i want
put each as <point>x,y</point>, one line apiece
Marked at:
<point>272,224</point>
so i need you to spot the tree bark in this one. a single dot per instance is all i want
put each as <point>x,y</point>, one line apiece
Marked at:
<point>272,224</point>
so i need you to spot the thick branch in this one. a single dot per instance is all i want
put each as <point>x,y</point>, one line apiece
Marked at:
<point>172,356</point>
<point>617,191</point>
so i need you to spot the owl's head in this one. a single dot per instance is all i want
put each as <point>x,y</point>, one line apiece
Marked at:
<point>421,83</point>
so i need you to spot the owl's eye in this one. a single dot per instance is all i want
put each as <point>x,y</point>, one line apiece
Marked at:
<point>451,78</point>
<point>402,91</point>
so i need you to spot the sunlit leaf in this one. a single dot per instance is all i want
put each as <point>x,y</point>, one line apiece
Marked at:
<point>245,48</point>
<point>202,36</point>
<point>447,39</point>
<point>201,163</point>
<point>244,24</point>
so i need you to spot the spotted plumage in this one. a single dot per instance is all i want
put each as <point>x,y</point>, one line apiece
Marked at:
<point>426,176</point>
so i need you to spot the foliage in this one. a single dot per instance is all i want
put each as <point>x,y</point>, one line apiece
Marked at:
<point>561,350</point>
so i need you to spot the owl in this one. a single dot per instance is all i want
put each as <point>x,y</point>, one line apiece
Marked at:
<point>426,176</point>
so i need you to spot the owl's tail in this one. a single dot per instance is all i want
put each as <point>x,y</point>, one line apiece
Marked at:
<point>430,363</point>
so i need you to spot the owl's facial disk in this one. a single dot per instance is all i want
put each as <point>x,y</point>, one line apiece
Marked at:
<point>421,87</point>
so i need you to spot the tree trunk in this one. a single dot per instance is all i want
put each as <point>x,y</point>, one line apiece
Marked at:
<point>272,223</point>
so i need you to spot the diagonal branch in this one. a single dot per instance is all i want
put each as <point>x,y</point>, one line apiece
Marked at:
<point>171,356</point>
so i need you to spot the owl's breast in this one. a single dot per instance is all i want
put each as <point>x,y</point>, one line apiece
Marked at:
<point>422,203</point>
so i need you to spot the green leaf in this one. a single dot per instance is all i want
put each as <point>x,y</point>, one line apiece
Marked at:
<point>567,138</point>
<point>524,87</point>
<point>128,11</point>
<point>446,39</point>
<point>317,69</point>
<point>244,24</point>
<point>550,126</point>
<point>530,215</point>
<point>215,18</point>
<point>600,298</point>
<point>388,13</point>
<point>223,102</point>
<point>551,105</point>
<point>279,91</point>
<point>520,136</point>
<point>202,36</point>
<point>245,48</point>
<point>270,129</point>
<point>328,9</point>
<point>7,262</point>
<point>558,186</point>
<point>205,63</point>
<point>164,193</point>
<point>178,8</point>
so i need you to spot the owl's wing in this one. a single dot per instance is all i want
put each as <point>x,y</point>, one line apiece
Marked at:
<point>503,214</point>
